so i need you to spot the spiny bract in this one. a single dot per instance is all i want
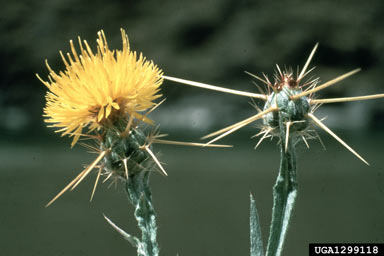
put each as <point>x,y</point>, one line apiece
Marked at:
<point>288,100</point>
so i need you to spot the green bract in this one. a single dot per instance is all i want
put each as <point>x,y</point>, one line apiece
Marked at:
<point>294,111</point>
<point>127,153</point>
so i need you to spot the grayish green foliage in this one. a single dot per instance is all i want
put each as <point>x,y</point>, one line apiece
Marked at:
<point>132,239</point>
<point>285,188</point>
<point>139,194</point>
<point>284,195</point>
<point>128,157</point>
<point>255,231</point>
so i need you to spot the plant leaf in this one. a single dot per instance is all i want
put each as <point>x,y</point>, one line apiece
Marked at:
<point>255,231</point>
<point>135,242</point>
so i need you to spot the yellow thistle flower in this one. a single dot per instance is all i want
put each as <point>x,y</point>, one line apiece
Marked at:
<point>96,88</point>
<point>105,92</point>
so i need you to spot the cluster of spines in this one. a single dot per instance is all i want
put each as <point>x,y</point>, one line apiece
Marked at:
<point>299,105</point>
<point>123,151</point>
<point>126,150</point>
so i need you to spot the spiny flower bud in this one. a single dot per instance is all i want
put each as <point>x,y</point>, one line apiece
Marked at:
<point>289,106</point>
<point>293,111</point>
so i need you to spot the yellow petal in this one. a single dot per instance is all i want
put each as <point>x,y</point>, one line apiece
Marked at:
<point>101,114</point>
<point>108,110</point>
<point>115,105</point>
<point>76,136</point>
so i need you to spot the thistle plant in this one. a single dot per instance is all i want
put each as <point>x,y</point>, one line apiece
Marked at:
<point>105,97</point>
<point>288,114</point>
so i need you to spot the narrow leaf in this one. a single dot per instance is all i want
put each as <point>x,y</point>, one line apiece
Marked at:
<point>255,231</point>
<point>135,242</point>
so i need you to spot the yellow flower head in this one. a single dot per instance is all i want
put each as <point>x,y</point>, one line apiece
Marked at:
<point>95,89</point>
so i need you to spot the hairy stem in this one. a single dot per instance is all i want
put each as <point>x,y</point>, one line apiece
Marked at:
<point>284,195</point>
<point>139,194</point>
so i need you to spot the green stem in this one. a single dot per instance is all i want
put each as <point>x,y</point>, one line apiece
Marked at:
<point>284,195</point>
<point>139,194</point>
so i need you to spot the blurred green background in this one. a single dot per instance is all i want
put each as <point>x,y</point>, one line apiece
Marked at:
<point>203,206</point>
